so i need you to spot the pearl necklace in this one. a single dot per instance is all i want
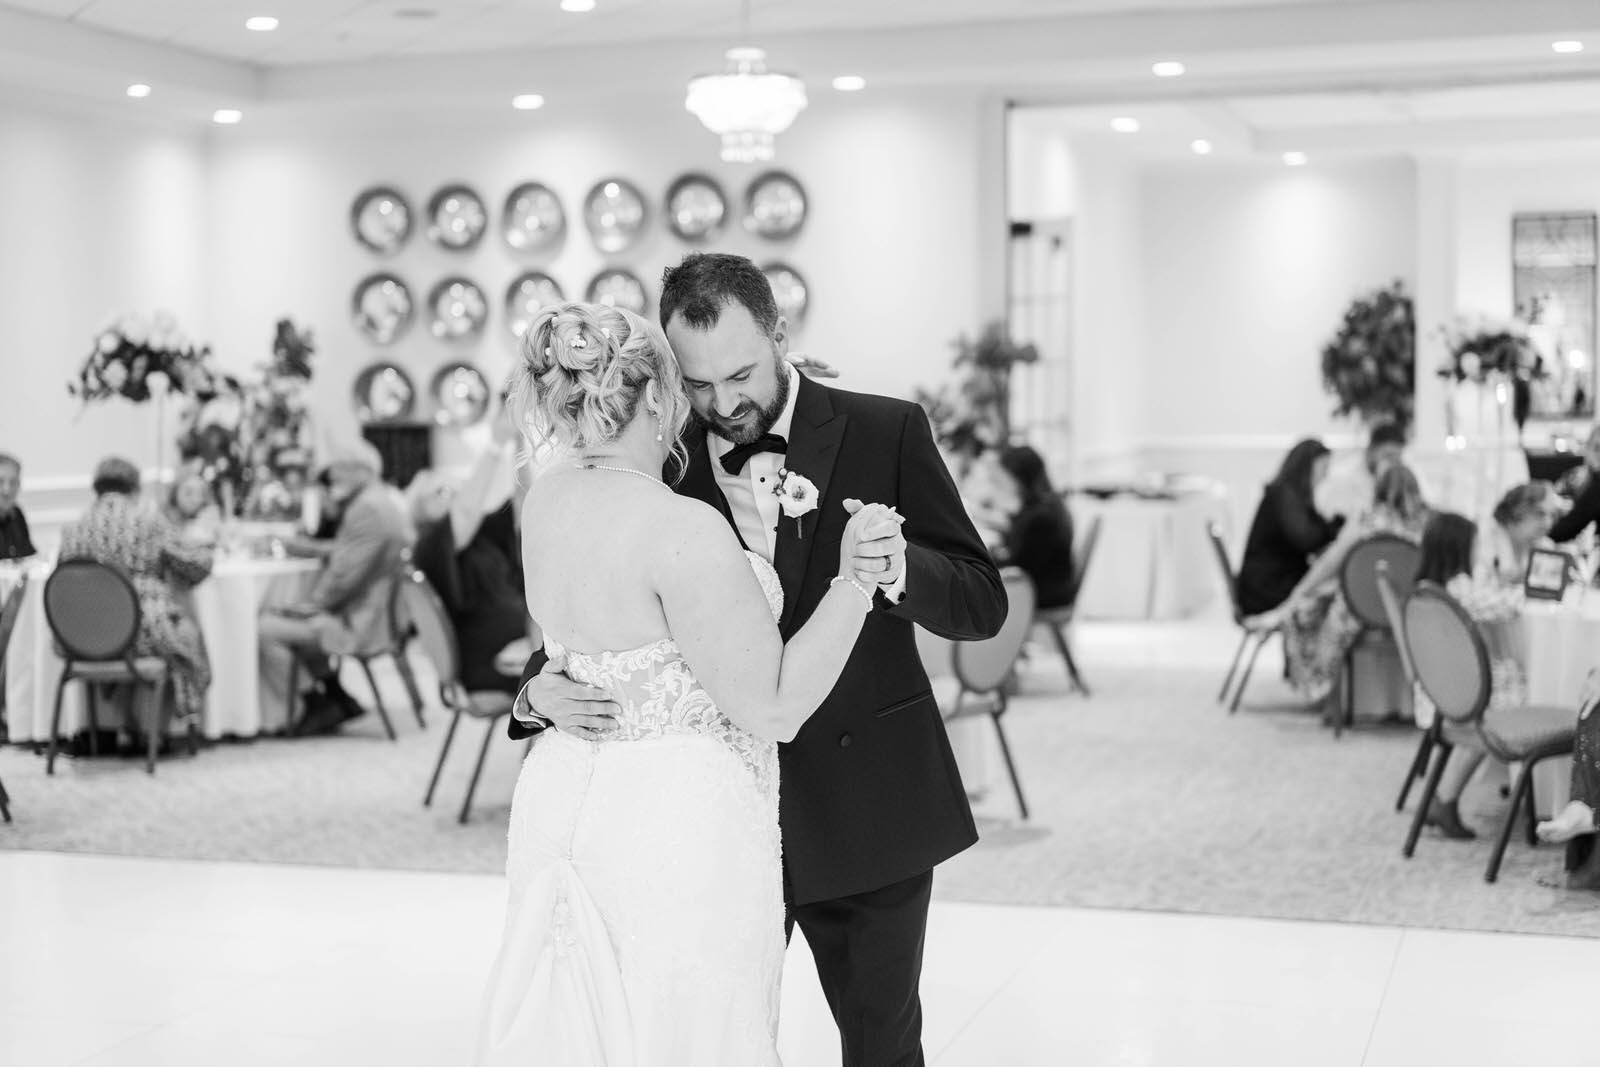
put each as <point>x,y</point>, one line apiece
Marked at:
<point>620,470</point>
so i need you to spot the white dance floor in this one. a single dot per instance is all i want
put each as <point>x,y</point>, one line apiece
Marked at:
<point>110,962</point>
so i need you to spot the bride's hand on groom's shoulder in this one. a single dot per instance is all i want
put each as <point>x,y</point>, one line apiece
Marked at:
<point>573,708</point>
<point>812,367</point>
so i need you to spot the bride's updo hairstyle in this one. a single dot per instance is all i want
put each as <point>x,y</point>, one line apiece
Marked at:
<point>585,372</point>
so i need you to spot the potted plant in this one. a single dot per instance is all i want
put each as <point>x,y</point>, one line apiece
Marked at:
<point>975,409</point>
<point>1370,364</point>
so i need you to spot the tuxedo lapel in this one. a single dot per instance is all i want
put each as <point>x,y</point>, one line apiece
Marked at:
<point>814,438</point>
<point>700,482</point>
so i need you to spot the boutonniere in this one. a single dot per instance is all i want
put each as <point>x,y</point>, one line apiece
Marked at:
<point>797,496</point>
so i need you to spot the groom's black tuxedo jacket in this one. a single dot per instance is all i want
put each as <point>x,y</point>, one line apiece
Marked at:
<point>870,794</point>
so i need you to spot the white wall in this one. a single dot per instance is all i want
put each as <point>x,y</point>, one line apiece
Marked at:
<point>100,218</point>
<point>892,249</point>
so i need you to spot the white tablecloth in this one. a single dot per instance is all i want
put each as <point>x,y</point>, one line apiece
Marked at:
<point>1561,645</point>
<point>226,606</point>
<point>1153,560</point>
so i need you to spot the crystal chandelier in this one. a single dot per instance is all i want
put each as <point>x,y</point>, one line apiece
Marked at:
<point>746,104</point>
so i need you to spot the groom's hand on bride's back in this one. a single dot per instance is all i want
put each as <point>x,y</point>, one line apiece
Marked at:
<point>552,699</point>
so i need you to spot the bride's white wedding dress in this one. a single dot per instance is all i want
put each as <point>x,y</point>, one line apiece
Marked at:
<point>645,920</point>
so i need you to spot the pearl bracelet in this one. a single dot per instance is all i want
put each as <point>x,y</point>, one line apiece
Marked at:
<point>858,587</point>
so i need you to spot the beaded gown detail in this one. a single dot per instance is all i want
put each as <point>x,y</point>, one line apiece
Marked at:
<point>644,924</point>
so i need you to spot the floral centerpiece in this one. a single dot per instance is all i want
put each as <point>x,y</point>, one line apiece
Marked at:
<point>137,360</point>
<point>1486,351</point>
<point>1370,364</point>
<point>975,411</point>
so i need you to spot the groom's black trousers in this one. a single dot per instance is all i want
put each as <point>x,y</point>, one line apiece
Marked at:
<point>868,950</point>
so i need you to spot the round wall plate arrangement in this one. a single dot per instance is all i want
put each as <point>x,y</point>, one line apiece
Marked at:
<point>381,308</point>
<point>614,213</point>
<point>619,288</point>
<point>789,289</point>
<point>696,207</point>
<point>459,309</point>
<point>384,393</point>
<point>526,294</point>
<point>460,395</point>
<point>456,218</point>
<point>775,205</point>
<point>534,219</point>
<point>381,219</point>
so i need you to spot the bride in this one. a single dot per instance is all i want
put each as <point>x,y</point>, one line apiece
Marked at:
<point>645,921</point>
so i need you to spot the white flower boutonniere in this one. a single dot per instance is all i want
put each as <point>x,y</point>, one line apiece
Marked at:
<point>797,496</point>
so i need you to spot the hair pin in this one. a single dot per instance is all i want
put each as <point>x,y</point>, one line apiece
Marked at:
<point>578,342</point>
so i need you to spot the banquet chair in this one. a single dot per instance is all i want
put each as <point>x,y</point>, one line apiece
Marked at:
<point>1358,584</point>
<point>982,667</point>
<point>1393,611</point>
<point>401,633</point>
<point>1254,630</point>
<point>93,613</point>
<point>1057,619</point>
<point>1452,665</point>
<point>437,635</point>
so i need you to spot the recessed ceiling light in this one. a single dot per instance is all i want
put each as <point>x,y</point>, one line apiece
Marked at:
<point>1567,48</point>
<point>261,23</point>
<point>1294,159</point>
<point>1124,124</point>
<point>226,116</point>
<point>1168,68</point>
<point>849,83</point>
<point>527,102</point>
<point>577,6</point>
<point>138,90</point>
<point>1200,147</point>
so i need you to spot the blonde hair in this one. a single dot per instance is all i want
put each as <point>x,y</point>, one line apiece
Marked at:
<point>1397,489</point>
<point>584,370</point>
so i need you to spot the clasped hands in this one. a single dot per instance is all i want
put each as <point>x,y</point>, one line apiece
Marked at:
<point>588,713</point>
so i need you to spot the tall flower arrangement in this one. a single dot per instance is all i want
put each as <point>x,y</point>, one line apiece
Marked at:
<point>138,359</point>
<point>975,410</point>
<point>1370,364</point>
<point>1485,350</point>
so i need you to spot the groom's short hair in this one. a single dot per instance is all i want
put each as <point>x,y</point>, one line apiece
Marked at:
<point>706,282</point>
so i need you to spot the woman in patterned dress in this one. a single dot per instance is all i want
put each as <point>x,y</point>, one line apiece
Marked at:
<point>1320,629</point>
<point>144,545</point>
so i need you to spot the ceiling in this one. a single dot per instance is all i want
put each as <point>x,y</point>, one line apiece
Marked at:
<point>343,31</point>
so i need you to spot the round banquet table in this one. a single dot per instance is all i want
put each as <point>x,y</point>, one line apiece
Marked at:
<point>1153,559</point>
<point>1560,645</point>
<point>226,606</point>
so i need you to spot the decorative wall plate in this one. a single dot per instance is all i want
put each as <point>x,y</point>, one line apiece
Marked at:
<point>789,290</point>
<point>384,393</point>
<point>614,212</point>
<point>620,288</point>
<point>459,309</point>
<point>526,294</point>
<point>381,219</point>
<point>533,218</point>
<point>460,395</point>
<point>775,205</point>
<point>381,308</point>
<point>456,218</point>
<point>696,207</point>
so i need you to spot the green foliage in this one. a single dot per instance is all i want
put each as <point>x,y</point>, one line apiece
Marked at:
<point>1370,365</point>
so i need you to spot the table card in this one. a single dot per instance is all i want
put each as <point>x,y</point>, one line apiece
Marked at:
<point>1548,574</point>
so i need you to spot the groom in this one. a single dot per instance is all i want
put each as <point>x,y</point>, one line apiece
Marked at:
<point>870,799</point>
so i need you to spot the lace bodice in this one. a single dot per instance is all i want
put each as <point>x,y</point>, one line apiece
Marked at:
<point>659,696</point>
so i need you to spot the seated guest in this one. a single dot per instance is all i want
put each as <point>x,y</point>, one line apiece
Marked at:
<point>1351,480</point>
<point>191,508</point>
<point>145,545</point>
<point>1577,819</point>
<point>990,494</point>
<point>1038,537</point>
<point>1585,510</point>
<point>15,541</point>
<point>1320,629</point>
<point>1571,485</point>
<point>1287,531</point>
<point>347,611</point>
<point>1521,523</point>
<point>470,551</point>
<point>1447,560</point>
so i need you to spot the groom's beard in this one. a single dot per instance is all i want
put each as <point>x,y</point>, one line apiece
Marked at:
<point>766,417</point>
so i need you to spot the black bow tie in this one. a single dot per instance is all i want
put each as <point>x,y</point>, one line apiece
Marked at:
<point>733,462</point>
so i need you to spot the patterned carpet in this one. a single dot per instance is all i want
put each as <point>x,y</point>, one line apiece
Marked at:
<point>1146,796</point>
